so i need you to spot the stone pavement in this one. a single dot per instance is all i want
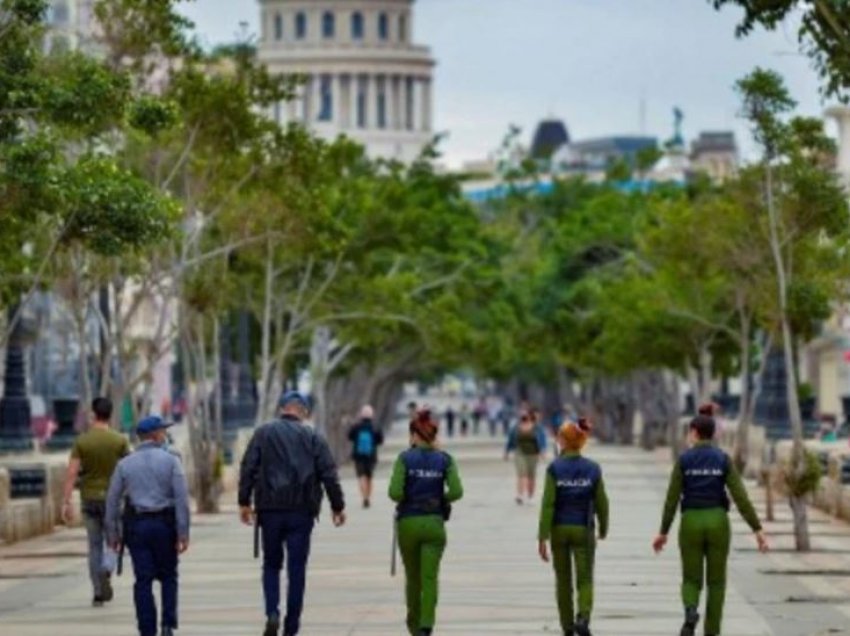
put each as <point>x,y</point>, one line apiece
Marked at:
<point>492,582</point>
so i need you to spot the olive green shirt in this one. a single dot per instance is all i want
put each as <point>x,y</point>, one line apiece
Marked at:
<point>734,485</point>
<point>99,451</point>
<point>454,487</point>
<point>547,508</point>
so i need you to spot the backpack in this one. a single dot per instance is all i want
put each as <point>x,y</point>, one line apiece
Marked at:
<point>364,444</point>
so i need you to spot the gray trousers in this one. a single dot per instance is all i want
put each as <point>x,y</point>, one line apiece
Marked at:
<point>101,557</point>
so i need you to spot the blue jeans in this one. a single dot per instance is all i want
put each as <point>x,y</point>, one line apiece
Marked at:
<point>292,529</point>
<point>153,547</point>
<point>101,557</point>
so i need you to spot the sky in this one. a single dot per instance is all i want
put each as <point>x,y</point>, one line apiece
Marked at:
<point>591,63</point>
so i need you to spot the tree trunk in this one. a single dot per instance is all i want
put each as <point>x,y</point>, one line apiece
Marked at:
<point>743,433</point>
<point>798,463</point>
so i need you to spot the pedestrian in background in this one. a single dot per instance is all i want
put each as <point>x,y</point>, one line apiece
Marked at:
<point>573,500</point>
<point>450,421</point>
<point>94,456</point>
<point>365,439</point>
<point>425,482</point>
<point>155,524</point>
<point>282,474</point>
<point>700,483</point>
<point>527,441</point>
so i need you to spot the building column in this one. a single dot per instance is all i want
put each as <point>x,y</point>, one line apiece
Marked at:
<point>305,99</point>
<point>373,101</point>
<point>336,100</point>
<point>427,105</point>
<point>353,90</point>
<point>407,101</point>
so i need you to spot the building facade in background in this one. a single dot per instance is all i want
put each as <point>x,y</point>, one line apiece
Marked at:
<point>71,25</point>
<point>364,76</point>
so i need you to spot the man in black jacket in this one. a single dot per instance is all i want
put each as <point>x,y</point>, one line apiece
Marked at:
<point>284,470</point>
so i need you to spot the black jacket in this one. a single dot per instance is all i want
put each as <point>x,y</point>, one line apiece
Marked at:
<point>286,466</point>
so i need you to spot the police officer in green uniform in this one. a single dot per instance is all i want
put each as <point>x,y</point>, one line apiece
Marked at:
<point>573,499</point>
<point>699,484</point>
<point>425,482</point>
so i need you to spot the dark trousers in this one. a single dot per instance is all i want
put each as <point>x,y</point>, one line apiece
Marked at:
<point>153,547</point>
<point>292,531</point>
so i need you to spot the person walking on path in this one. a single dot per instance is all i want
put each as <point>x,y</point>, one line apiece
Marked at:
<point>699,484</point>
<point>283,472</point>
<point>94,456</point>
<point>573,500</point>
<point>365,440</point>
<point>153,486</point>
<point>424,484</point>
<point>450,421</point>
<point>527,440</point>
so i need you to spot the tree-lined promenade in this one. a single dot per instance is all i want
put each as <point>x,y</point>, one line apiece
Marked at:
<point>145,185</point>
<point>492,579</point>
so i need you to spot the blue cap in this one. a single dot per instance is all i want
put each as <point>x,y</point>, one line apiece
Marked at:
<point>291,397</point>
<point>150,424</point>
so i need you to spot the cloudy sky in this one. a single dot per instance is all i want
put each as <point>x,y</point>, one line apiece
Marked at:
<point>588,62</point>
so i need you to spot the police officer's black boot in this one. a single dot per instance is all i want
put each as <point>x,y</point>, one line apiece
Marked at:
<point>582,626</point>
<point>691,620</point>
<point>166,631</point>
<point>272,625</point>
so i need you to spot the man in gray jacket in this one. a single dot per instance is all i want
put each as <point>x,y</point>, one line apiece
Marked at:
<point>284,470</point>
<point>156,522</point>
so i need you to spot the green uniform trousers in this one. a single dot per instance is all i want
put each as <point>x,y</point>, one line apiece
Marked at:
<point>422,540</point>
<point>704,538</point>
<point>571,544</point>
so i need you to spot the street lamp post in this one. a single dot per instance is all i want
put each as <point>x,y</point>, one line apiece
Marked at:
<point>15,420</point>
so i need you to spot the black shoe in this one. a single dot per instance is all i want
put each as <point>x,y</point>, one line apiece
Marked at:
<point>97,601</point>
<point>582,627</point>
<point>366,503</point>
<point>106,592</point>
<point>166,631</point>
<point>691,620</point>
<point>272,626</point>
<point>426,631</point>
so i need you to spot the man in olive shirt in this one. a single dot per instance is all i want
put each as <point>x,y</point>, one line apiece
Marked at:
<point>94,457</point>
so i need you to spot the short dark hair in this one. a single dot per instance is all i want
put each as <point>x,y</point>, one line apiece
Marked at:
<point>102,408</point>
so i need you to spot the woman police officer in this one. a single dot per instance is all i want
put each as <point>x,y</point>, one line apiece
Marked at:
<point>573,498</point>
<point>425,481</point>
<point>699,484</point>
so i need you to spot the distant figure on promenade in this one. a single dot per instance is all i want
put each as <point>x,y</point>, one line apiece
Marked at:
<point>283,472</point>
<point>476,420</point>
<point>573,499</point>
<point>450,421</point>
<point>94,456</point>
<point>464,420</point>
<point>425,482</point>
<point>701,483</point>
<point>365,439</point>
<point>527,441</point>
<point>155,523</point>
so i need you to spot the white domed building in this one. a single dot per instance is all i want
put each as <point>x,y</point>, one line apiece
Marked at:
<point>365,76</point>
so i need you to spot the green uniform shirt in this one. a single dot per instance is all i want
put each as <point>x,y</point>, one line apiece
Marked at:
<point>454,488</point>
<point>547,509</point>
<point>99,450</point>
<point>734,485</point>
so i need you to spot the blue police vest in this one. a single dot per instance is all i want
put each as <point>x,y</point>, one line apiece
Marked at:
<point>424,482</point>
<point>704,469</point>
<point>575,488</point>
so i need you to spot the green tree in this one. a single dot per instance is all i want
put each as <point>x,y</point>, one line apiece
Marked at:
<point>822,34</point>
<point>803,211</point>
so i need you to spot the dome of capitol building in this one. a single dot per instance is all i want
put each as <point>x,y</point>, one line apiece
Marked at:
<point>365,76</point>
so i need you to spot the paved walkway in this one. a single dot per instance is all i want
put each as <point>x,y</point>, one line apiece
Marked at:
<point>492,581</point>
